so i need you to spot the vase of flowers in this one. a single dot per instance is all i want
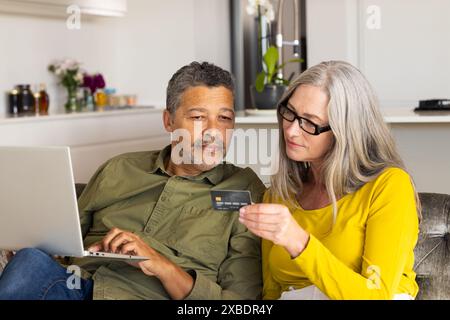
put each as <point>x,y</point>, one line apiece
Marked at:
<point>71,77</point>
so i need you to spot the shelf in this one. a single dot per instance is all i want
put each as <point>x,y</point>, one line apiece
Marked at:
<point>6,120</point>
<point>59,8</point>
<point>391,115</point>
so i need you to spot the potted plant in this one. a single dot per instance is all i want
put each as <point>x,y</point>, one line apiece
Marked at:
<point>269,87</point>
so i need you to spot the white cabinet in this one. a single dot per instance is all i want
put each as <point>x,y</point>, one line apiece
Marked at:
<point>113,8</point>
<point>402,46</point>
<point>93,138</point>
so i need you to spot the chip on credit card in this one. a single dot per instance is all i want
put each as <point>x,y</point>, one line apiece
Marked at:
<point>230,200</point>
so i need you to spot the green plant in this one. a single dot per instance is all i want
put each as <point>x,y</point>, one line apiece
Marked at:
<point>269,75</point>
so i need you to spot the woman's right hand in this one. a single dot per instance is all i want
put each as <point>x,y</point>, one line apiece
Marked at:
<point>275,223</point>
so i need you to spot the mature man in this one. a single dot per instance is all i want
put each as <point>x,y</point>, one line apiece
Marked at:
<point>157,204</point>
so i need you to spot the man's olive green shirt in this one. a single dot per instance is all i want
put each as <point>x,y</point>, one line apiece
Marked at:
<point>172,214</point>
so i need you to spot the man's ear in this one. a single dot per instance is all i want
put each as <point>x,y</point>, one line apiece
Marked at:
<point>168,121</point>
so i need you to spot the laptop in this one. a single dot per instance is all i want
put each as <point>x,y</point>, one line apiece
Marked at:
<point>38,203</point>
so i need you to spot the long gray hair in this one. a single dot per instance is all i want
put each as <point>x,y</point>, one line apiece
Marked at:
<point>362,146</point>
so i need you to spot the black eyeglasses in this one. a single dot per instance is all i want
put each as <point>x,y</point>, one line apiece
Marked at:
<point>306,125</point>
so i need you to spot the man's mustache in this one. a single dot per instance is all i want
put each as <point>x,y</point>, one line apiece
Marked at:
<point>215,142</point>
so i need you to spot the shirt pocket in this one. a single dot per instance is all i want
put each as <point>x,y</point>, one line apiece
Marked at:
<point>128,215</point>
<point>202,234</point>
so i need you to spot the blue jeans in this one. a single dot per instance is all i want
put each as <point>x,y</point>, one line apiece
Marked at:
<point>34,275</point>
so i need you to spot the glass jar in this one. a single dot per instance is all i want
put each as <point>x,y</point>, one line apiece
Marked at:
<point>110,96</point>
<point>100,99</point>
<point>44,100</point>
<point>37,97</point>
<point>131,100</point>
<point>13,99</point>
<point>26,99</point>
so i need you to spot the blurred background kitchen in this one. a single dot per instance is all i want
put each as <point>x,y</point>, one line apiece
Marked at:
<point>98,84</point>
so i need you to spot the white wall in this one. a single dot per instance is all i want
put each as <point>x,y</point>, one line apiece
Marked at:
<point>212,32</point>
<point>406,60</point>
<point>137,53</point>
<point>331,27</point>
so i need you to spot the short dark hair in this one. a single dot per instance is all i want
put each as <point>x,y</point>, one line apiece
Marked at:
<point>192,75</point>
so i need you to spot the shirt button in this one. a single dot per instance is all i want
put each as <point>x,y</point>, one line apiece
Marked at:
<point>163,198</point>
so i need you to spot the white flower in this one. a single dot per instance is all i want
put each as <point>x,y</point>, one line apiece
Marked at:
<point>58,71</point>
<point>266,8</point>
<point>270,13</point>
<point>63,66</point>
<point>69,64</point>
<point>79,77</point>
<point>252,7</point>
<point>72,65</point>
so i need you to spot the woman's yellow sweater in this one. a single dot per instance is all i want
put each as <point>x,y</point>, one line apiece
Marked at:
<point>368,254</point>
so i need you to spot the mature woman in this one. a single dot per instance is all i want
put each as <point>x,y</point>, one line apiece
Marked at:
<point>340,220</point>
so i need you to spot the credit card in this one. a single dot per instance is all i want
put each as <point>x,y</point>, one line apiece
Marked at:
<point>230,200</point>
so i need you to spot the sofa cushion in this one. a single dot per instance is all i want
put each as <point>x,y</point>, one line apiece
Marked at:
<point>79,187</point>
<point>3,260</point>
<point>432,258</point>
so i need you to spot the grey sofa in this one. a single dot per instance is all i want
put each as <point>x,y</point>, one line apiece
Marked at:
<point>432,253</point>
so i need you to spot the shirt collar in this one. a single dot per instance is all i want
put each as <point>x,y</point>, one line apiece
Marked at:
<point>214,176</point>
<point>159,162</point>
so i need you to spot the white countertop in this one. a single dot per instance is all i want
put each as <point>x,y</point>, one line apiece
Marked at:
<point>78,115</point>
<point>391,115</point>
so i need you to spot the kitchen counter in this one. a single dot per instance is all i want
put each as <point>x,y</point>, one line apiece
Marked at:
<point>394,115</point>
<point>93,137</point>
<point>57,116</point>
<point>391,115</point>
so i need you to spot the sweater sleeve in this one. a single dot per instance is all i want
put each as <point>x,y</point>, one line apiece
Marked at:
<point>271,288</point>
<point>391,235</point>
